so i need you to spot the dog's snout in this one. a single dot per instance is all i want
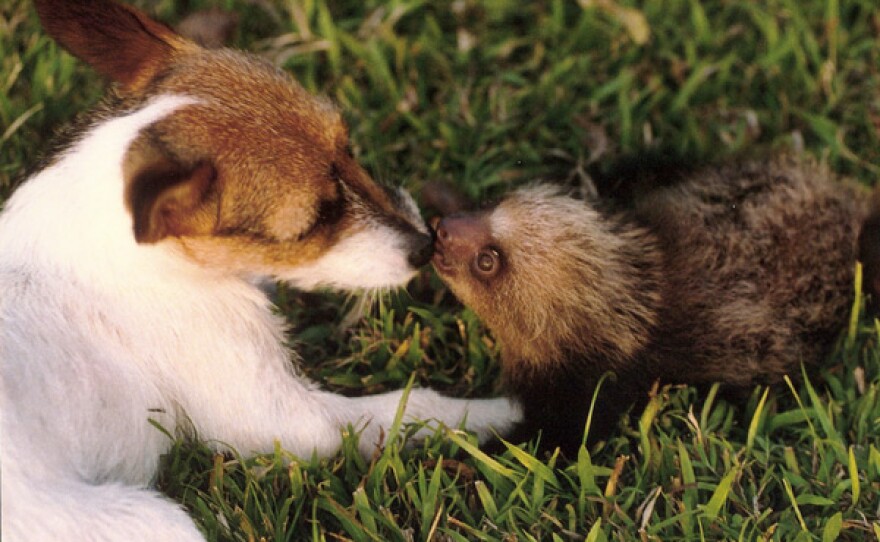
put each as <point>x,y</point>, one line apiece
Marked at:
<point>423,249</point>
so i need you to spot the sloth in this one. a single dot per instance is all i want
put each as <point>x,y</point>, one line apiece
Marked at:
<point>736,274</point>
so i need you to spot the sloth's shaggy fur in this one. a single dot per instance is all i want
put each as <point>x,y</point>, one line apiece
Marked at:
<point>735,275</point>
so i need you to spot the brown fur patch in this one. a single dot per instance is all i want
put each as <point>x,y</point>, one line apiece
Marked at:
<point>168,198</point>
<point>119,41</point>
<point>255,174</point>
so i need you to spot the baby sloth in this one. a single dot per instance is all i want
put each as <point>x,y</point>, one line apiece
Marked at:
<point>734,275</point>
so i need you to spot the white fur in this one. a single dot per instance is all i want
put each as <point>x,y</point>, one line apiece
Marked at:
<point>99,334</point>
<point>371,258</point>
<point>408,205</point>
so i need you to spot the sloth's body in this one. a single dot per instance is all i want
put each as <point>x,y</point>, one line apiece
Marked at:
<point>735,275</point>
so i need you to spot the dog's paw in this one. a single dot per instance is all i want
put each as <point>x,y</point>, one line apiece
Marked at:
<point>484,417</point>
<point>490,417</point>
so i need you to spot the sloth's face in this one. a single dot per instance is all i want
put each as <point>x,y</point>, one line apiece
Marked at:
<point>465,249</point>
<point>513,258</point>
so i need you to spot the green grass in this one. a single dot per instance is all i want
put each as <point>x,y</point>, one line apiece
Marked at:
<point>487,95</point>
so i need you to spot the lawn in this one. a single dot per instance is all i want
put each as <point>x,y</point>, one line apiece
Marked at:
<point>486,96</point>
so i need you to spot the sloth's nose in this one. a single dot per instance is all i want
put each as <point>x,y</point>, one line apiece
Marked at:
<point>460,230</point>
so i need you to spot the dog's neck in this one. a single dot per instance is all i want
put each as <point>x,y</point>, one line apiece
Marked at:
<point>74,208</point>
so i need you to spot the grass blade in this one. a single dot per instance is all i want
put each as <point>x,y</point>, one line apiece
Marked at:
<point>719,496</point>
<point>794,504</point>
<point>854,477</point>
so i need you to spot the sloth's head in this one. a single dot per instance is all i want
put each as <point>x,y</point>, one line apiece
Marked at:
<point>546,272</point>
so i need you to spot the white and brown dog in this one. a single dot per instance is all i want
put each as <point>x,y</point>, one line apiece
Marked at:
<point>127,272</point>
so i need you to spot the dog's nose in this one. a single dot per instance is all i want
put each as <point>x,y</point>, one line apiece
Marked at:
<point>422,251</point>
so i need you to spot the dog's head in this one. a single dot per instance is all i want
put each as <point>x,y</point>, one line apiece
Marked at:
<point>255,175</point>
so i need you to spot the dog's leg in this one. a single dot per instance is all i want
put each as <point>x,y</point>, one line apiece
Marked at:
<point>375,414</point>
<point>278,406</point>
<point>61,509</point>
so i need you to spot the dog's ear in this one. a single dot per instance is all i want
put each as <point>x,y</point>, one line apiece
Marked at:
<point>119,41</point>
<point>168,198</point>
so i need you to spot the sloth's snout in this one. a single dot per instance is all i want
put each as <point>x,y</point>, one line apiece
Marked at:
<point>457,238</point>
<point>459,231</point>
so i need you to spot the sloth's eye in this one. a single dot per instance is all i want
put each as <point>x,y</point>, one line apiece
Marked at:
<point>487,262</point>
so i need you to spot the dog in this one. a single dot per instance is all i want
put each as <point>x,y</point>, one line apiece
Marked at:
<point>130,266</point>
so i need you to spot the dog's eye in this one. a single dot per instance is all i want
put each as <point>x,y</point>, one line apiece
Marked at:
<point>487,262</point>
<point>330,211</point>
